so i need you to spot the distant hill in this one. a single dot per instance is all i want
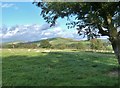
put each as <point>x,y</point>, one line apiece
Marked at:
<point>59,40</point>
<point>55,42</point>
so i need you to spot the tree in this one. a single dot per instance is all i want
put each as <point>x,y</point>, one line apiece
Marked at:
<point>61,46</point>
<point>97,44</point>
<point>79,45</point>
<point>92,19</point>
<point>45,44</point>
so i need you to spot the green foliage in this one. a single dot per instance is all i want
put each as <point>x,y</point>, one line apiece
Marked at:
<point>63,43</point>
<point>60,46</point>
<point>109,47</point>
<point>45,44</point>
<point>90,18</point>
<point>97,44</point>
<point>7,46</point>
<point>20,45</point>
<point>79,45</point>
<point>93,14</point>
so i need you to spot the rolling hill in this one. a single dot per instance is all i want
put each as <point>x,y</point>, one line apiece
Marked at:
<point>55,42</point>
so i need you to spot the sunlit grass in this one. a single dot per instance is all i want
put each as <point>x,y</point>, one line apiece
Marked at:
<point>22,67</point>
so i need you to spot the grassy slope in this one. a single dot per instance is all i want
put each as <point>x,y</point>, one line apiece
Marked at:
<point>61,41</point>
<point>58,40</point>
<point>58,68</point>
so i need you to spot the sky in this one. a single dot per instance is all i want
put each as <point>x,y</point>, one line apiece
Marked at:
<point>21,21</point>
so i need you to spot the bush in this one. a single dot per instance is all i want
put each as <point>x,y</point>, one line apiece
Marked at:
<point>97,44</point>
<point>60,46</point>
<point>7,46</point>
<point>79,45</point>
<point>45,44</point>
<point>109,47</point>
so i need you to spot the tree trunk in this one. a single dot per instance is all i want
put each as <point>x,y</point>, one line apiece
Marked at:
<point>116,47</point>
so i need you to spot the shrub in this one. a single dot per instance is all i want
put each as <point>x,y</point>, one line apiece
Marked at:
<point>79,45</point>
<point>60,46</point>
<point>45,44</point>
<point>97,44</point>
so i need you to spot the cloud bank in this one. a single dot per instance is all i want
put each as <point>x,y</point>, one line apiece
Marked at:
<point>35,32</point>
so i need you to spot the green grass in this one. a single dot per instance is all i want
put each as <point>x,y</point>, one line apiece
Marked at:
<point>58,68</point>
<point>66,41</point>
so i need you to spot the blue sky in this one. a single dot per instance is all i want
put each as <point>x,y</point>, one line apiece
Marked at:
<point>21,21</point>
<point>21,13</point>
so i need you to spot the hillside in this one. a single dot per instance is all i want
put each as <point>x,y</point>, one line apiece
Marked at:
<point>56,41</point>
<point>59,40</point>
<point>59,43</point>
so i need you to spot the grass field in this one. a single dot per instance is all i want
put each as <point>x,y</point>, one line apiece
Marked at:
<point>25,67</point>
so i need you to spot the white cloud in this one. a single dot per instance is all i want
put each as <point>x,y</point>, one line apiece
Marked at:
<point>35,32</point>
<point>8,5</point>
<point>47,33</point>
<point>17,0</point>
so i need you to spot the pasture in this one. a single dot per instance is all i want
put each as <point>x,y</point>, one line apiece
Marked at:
<point>40,67</point>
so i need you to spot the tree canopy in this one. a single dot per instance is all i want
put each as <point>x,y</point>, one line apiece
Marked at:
<point>93,15</point>
<point>92,19</point>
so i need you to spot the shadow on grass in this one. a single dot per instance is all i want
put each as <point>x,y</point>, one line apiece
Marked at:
<point>59,69</point>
